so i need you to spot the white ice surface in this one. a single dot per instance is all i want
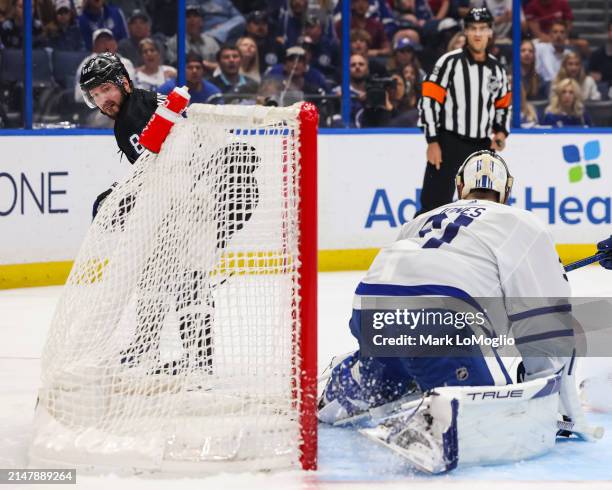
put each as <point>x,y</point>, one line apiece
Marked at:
<point>346,459</point>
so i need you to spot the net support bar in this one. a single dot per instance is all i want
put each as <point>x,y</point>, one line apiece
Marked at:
<point>308,285</point>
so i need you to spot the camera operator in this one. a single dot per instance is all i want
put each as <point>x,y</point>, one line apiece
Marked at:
<point>382,100</point>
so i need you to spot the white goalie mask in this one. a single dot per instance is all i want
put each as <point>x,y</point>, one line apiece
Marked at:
<point>485,170</point>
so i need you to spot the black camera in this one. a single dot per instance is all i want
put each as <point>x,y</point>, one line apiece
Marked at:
<point>376,91</point>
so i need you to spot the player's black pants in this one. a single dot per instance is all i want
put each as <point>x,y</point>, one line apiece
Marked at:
<point>439,185</point>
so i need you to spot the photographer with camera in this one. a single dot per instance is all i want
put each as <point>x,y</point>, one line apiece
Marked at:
<point>464,108</point>
<point>382,98</point>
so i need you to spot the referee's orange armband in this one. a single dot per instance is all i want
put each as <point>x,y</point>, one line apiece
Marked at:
<point>504,102</point>
<point>434,91</point>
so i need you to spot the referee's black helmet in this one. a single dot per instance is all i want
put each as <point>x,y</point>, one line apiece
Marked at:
<point>478,14</point>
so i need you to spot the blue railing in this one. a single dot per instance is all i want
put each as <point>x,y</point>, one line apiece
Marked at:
<point>346,104</point>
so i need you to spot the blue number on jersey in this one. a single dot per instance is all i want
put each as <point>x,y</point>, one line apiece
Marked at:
<point>450,231</point>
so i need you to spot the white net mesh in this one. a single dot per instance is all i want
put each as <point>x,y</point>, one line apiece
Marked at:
<point>174,342</point>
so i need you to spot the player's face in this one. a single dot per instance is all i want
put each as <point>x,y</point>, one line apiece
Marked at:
<point>478,35</point>
<point>108,97</point>
<point>229,61</point>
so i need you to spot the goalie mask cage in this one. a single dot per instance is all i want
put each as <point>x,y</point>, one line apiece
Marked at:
<point>185,337</point>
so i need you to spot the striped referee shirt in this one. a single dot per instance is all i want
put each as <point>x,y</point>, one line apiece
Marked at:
<point>466,97</point>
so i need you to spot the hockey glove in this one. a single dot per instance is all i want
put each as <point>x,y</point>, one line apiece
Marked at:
<point>605,246</point>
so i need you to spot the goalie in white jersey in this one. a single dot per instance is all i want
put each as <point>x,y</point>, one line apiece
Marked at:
<point>477,247</point>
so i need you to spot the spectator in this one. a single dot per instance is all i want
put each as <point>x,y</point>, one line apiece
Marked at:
<point>313,73</point>
<point>201,91</point>
<point>360,44</point>
<point>404,54</point>
<point>358,73</point>
<point>600,63</point>
<point>414,18</point>
<point>64,33</point>
<point>291,21</point>
<point>139,28</point>
<point>550,54</point>
<point>165,16</point>
<point>439,8</point>
<point>571,67</point>
<point>103,41</point>
<point>535,87</point>
<point>529,116</point>
<point>542,14</point>
<point>151,74</point>
<point>222,20</point>
<point>249,64</point>
<point>383,101</point>
<point>197,42</point>
<point>379,10</point>
<point>379,45</point>
<point>44,10</point>
<point>412,82</point>
<point>456,42</point>
<point>230,80</point>
<point>97,15</point>
<point>292,76</point>
<point>269,50</point>
<point>11,30</point>
<point>313,77</point>
<point>407,114</point>
<point>324,49</point>
<point>566,107</point>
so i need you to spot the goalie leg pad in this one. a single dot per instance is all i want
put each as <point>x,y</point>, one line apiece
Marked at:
<point>455,426</point>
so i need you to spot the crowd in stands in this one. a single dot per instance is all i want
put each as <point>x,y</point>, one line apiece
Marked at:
<point>280,51</point>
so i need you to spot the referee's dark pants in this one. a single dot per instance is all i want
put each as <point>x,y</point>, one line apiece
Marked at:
<point>439,185</point>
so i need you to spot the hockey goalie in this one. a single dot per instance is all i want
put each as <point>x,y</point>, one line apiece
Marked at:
<point>464,406</point>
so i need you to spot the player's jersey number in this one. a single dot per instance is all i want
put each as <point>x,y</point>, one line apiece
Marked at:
<point>137,146</point>
<point>448,229</point>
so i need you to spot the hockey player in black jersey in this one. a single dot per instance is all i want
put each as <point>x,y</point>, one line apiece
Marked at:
<point>106,85</point>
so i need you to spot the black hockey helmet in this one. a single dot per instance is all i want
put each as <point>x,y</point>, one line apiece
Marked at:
<point>478,14</point>
<point>102,68</point>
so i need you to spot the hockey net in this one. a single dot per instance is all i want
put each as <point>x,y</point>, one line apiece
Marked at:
<point>185,337</point>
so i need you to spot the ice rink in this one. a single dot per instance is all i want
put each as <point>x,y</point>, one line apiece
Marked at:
<point>346,459</point>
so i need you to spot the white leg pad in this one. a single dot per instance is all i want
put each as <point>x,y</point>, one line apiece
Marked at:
<point>474,425</point>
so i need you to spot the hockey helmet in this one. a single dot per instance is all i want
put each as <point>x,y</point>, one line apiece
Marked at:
<point>478,14</point>
<point>102,68</point>
<point>485,170</point>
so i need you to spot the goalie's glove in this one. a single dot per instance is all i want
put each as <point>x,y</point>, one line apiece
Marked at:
<point>605,246</point>
<point>100,199</point>
<point>343,396</point>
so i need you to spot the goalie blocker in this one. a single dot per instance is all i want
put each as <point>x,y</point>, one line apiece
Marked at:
<point>460,426</point>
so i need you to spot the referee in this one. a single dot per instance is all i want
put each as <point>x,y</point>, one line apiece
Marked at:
<point>465,100</point>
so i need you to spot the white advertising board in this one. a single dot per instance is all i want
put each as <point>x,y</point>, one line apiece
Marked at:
<point>368,186</point>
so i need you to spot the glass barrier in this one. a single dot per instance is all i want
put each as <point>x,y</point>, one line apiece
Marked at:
<point>282,51</point>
